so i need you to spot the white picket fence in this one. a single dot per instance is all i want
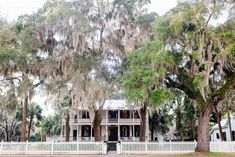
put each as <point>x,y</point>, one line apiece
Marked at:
<point>53,148</point>
<point>170,147</point>
<point>155,147</point>
<point>222,147</point>
<point>101,147</point>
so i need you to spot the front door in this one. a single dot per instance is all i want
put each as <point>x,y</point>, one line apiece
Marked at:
<point>113,133</point>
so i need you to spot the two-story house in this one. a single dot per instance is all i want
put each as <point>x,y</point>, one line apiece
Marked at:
<point>120,121</point>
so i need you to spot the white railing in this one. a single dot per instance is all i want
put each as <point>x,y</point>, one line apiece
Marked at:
<point>155,147</point>
<point>53,148</point>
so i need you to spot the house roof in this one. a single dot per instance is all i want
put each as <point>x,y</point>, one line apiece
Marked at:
<point>224,124</point>
<point>110,105</point>
<point>119,105</point>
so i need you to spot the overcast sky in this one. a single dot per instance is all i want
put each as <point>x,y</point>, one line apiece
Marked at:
<point>11,9</point>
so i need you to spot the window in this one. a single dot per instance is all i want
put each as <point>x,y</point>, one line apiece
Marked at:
<point>85,115</point>
<point>217,135</point>
<point>136,115</point>
<point>63,130</point>
<point>124,114</point>
<point>86,130</point>
<point>233,135</point>
<point>125,130</point>
<point>224,135</point>
<point>137,130</point>
<point>75,118</point>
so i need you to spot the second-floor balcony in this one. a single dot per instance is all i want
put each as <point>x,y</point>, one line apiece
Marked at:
<point>122,117</point>
<point>77,121</point>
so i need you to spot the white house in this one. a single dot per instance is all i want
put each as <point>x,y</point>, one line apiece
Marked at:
<point>120,121</point>
<point>214,134</point>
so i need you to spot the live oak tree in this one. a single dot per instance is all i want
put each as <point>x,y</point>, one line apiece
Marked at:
<point>196,58</point>
<point>204,57</point>
<point>70,50</point>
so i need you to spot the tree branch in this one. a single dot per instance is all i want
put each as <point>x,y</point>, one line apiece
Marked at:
<point>221,92</point>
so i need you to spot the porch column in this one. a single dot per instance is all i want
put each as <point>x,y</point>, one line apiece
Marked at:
<point>91,132</point>
<point>61,132</point>
<point>106,123</point>
<point>77,125</point>
<point>133,126</point>
<point>119,126</point>
<point>130,134</point>
<point>119,133</point>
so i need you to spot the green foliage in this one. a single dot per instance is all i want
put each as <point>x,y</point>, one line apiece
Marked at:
<point>66,102</point>
<point>160,96</point>
<point>29,41</point>
<point>83,62</point>
<point>160,119</point>
<point>146,20</point>
<point>51,125</point>
<point>231,49</point>
<point>130,5</point>
<point>197,80</point>
<point>6,57</point>
<point>141,73</point>
<point>35,137</point>
<point>162,27</point>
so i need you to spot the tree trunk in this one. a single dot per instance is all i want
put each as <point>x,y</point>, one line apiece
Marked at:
<point>96,124</point>
<point>229,126</point>
<point>181,133</point>
<point>67,129</point>
<point>29,127</point>
<point>218,119</point>
<point>220,127</point>
<point>143,112</point>
<point>24,118</point>
<point>192,128</point>
<point>203,142</point>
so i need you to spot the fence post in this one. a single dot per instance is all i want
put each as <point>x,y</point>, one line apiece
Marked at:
<point>170,145</point>
<point>121,147</point>
<point>52,147</point>
<point>146,146</point>
<point>104,147</point>
<point>195,144</point>
<point>27,147</point>
<point>77,145</point>
<point>1,147</point>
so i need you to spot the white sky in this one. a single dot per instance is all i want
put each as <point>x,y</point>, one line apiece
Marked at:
<point>11,9</point>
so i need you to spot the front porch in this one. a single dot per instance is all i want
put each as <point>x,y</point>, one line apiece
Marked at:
<point>108,132</point>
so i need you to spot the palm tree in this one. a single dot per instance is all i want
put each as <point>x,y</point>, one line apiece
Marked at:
<point>67,103</point>
<point>34,116</point>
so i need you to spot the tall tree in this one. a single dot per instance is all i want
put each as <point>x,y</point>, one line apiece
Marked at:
<point>141,83</point>
<point>202,66</point>
<point>203,55</point>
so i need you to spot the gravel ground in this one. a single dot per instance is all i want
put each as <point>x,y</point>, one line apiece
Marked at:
<point>115,155</point>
